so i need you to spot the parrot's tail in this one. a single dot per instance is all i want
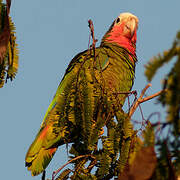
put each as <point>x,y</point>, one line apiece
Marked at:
<point>39,154</point>
<point>38,163</point>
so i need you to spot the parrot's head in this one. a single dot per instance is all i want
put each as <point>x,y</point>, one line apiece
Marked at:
<point>123,32</point>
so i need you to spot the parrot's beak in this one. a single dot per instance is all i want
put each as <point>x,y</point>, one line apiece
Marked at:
<point>130,27</point>
<point>133,25</point>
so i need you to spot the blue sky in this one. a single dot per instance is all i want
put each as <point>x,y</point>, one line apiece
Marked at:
<point>50,34</point>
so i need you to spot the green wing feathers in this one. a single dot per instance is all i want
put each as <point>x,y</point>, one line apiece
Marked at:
<point>77,105</point>
<point>53,129</point>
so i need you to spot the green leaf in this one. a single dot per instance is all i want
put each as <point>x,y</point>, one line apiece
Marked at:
<point>8,47</point>
<point>158,61</point>
<point>64,175</point>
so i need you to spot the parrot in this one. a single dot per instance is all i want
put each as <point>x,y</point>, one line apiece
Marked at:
<point>90,93</point>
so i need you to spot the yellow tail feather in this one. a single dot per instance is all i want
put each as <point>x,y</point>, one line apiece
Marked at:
<point>40,161</point>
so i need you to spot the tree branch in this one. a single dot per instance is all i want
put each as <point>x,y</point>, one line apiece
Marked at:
<point>141,99</point>
<point>8,4</point>
<point>70,161</point>
<point>153,96</point>
<point>91,26</point>
<point>43,175</point>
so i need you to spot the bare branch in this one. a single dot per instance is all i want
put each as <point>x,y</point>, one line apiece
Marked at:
<point>144,90</point>
<point>141,99</point>
<point>8,4</point>
<point>91,26</point>
<point>153,96</point>
<point>43,175</point>
<point>127,92</point>
<point>70,161</point>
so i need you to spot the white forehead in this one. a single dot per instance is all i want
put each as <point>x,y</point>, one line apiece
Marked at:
<point>126,15</point>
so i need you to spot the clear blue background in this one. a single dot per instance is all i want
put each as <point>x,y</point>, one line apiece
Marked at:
<point>50,34</point>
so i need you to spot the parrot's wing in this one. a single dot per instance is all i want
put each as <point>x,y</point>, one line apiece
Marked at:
<point>53,129</point>
<point>62,114</point>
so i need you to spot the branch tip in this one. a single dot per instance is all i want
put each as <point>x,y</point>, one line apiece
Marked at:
<point>141,99</point>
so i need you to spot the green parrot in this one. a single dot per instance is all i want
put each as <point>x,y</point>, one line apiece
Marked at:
<point>90,94</point>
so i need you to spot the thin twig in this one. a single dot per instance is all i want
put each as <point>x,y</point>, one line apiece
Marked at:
<point>171,167</point>
<point>158,124</point>
<point>91,165</point>
<point>143,119</point>
<point>70,161</point>
<point>91,26</point>
<point>126,92</point>
<point>152,96</point>
<point>8,4</point>
<point>43,175</point>
<point>141,99</point>
<point>144,90</point>
<point>137,102</point>
<point>93,47</point>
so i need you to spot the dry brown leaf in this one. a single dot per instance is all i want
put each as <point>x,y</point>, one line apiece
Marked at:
<point>4,38</point>
<point>142,167</point>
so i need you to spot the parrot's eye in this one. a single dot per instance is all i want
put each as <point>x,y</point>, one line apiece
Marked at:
<point>118,20</point>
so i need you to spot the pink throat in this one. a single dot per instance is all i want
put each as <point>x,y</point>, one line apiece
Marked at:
<point>117,36</point>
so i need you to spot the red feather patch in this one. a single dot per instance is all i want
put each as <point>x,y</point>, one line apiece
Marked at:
<point>118,36</point>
